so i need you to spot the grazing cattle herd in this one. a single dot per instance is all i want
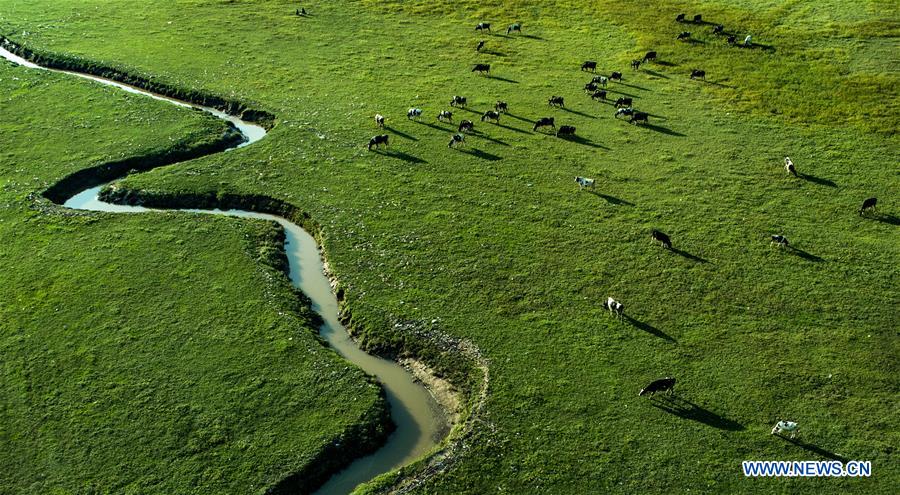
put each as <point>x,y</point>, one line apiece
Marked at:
<point>623,107</point>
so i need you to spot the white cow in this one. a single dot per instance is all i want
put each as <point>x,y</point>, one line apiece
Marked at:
<point>584,182</point>
<point>379,120</point>
<point>786,427</point>
<point>789,166</point>
<point>614,307</point>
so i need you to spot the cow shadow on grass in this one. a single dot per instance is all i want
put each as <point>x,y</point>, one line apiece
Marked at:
<point>687,255</point>
<point>888,219</point>
<point>484,155</point>
<point>585,142</point>
<point>532,37</point>
<point>612,199</point>
<point>433,126</point>
<point>484,136</point>
<point>622,93</point>
<point>662,130</point>
<point>504,79</point>
<point>523,119</point>
<point>635,86</point>
<point>814,449</point>
<point>683,408</point>
<point>649,329</point>
<point>494,53</point>
<point>665,63</point>
<point>656,74</point>
<point>406,157</point>
<point>400,133</point>
<point>513,128</point>
<point>817,180</point>
<point>805,255</point>
<point>759,46</point>
<point>576,112</point>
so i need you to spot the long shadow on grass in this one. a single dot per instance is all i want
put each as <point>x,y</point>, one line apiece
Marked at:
<point>663,130</point>
<point>513,128</point>
<point>888,219</point>
<point>803,254</point>
<point>533,37</point>
<point>406,157</point>
<point>504,79</point>
<point>759,46</point>
<point>814,449</point>
<point>817,180</point>
<point>484,155</point>
<point>523,119</point>
<point>622,93</point>
<point>686,409</point>
<point>400,133</point>
<point>576,112</point>
<point>649,329</point>
<point>585,142</point>
<point>689,256</point>
<point>635,86</point>
<point>494,53</point>
<point>665,63</point>
<point>612,199</point>
<point>434,126</point>
<point>484,136</point>
<point>655,74</point>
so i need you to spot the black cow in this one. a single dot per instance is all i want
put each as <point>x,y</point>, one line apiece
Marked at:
<point>639,117</point>
<point>635,64</point>
<point>483,26</point>
<point>650,56</point>
<point>661,238</point>
<point>779,240</point>
<point>684,35</point>
<point>599,95</point>
<point>731,40</point>
<point>616,76</point>
<point>679,18</point>
<point>544,122</point>
<point>666,384</point>
<point>589,65</point>
<point>590,87</point>
<point>698,74</point>
<point>624,111</point>
<point>482,68</point>
<point>565,130</point>
<point>868,204</point>
<point>556,101</point>
<point>491,115</point>
<point>480,46</point>
<point>719,29</point>
<point>623,101</point>
<point>515,27</point>
<point>698,19</point>
<point>458,101</point>
<point>466,126</point>
<point>501,106</point>
<point>377,141</point>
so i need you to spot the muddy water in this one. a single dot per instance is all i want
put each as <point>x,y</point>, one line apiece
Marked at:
<point>421,424</point>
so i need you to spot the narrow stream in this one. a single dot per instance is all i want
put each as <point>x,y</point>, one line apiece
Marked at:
<point>421,424</point>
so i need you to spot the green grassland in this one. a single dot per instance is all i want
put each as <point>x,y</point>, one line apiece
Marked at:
<point>154,353</point>
<point>494,243</point>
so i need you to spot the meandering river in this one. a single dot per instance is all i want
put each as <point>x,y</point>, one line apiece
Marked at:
<point>421,424</point>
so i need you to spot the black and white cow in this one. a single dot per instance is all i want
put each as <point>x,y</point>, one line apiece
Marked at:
<point>679,18</point>
<point>379,120</point>
<point>698,74</point>
<point>789,166</point>
<point>491,115</point>
<point>601,80</point>
<point>377,141</point>
<point>466,126</point>
<point>684,35</point>
<point>584,182</point>
<point>635,64</point>
<point>445,116</point>
<point>590,87</point>
<point>786,427</point>
<point>514,28</point>
<point>501,107</point>
<point>657,236</point>
<point>616,76</point>
<point>666,384</point>
<point>544,122</point>
<point>627,111</point>
<point>616,308</point>
<point>589,65</point>
<point>413,113</point>
<point>479,46</point>
<point>482,69</point>
<point>457,140</point>
<point>639,117</point>
<point>458,101</point>
<point>483,26</point>
<point>650,56</point>
<point>623,101</point>
<point>718,29</point>
<point>565,130</point>
<point>599,95</point>
<point>779,240</point>
<point>556,101</point>
<point>698,19</point>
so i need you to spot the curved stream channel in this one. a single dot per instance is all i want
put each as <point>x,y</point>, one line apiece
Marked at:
<point>421,424</point>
